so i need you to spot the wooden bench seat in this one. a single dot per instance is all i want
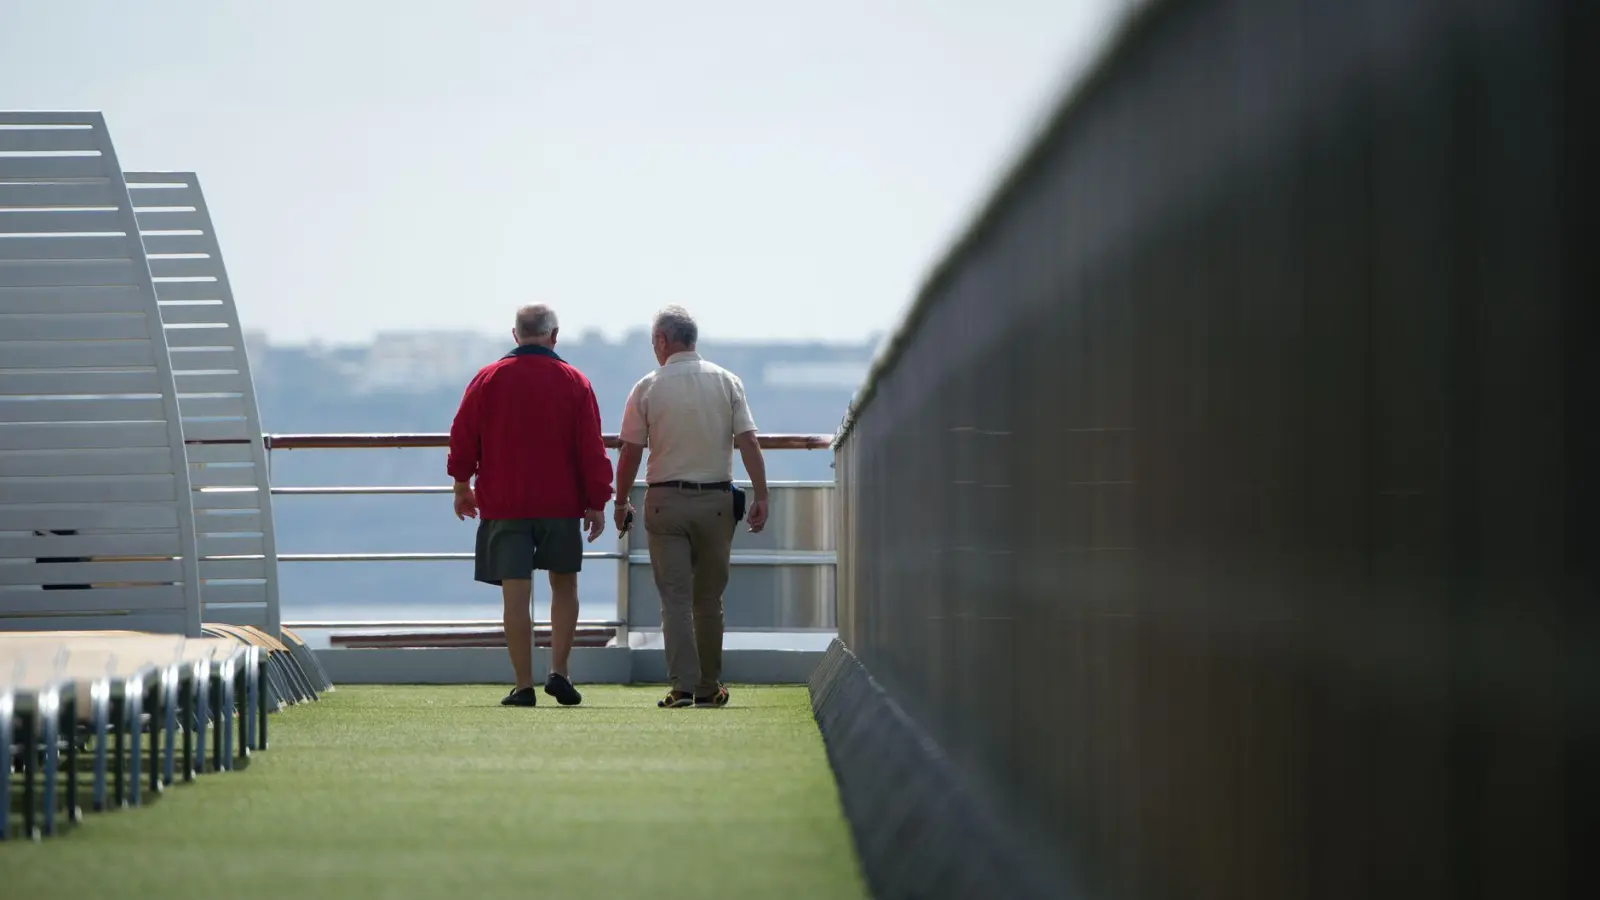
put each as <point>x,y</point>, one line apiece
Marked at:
<point>45,687</point>
<point>116,686</point>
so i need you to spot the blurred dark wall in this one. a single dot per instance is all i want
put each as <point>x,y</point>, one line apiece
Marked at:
<point>1226,510</point>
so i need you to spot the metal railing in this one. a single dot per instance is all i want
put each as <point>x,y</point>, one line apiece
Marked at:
<point>439,440</point>
<point>629,557</point>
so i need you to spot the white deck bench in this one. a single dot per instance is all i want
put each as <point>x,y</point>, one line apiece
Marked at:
<point>96,522</point>
<point>216,398</point>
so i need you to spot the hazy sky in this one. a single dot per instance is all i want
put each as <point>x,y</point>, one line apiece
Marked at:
<point>784,170</point>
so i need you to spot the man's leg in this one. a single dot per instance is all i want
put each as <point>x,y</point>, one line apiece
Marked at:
<point>559,544</point>
<point>713,545</point>
<point>672,563</point>
<point>504,556</point>
<point>563,619</point>
<point>518,595</point>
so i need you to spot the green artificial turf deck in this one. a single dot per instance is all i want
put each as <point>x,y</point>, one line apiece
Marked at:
<point>439,792</point>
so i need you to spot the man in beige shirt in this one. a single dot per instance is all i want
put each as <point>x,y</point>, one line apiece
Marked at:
<point>691,413</point>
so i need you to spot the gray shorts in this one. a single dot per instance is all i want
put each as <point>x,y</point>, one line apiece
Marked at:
<point>511,549</point>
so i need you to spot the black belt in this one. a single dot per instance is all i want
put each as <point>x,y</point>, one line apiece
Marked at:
<point>695,485</point>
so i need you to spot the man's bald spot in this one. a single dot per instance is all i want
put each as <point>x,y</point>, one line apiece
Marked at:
<point>536,320</point>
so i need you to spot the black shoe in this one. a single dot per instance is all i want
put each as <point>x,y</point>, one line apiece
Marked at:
<point>676,700</point>
<point>560,687</point>
<point>524,697</point>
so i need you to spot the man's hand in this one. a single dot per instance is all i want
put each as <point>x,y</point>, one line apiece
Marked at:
<point>756,468</point>
<point>466,501</point>
<point>756,515</point>
<point>620,516</point>
<point>595,521</point>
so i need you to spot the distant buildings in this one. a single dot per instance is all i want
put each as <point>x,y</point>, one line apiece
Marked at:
<point>824,374</point>
<point>424,360</point>
<point>431,361</point>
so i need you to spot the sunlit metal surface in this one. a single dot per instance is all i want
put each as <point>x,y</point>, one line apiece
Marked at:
<point>800,518</point>
<point>757,598</point>
<point>782,577</point>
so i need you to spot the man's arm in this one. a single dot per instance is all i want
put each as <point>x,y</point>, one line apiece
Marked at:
<point>744,438</point>
<point>465,448</point>
<point>635,436</point>
<point>627,470</point>
<point>755,465</point>
<point>594,465</point>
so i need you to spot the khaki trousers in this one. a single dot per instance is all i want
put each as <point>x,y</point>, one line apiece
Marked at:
<point>691,536</point>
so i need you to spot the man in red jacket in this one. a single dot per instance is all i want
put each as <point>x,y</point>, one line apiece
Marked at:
<point>529,430</point>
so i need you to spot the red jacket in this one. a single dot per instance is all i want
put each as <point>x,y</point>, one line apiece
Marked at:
<point>529,429</point>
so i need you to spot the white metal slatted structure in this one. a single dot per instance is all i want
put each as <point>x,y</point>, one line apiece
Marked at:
<point>96,527</point>
<point>221,421</point>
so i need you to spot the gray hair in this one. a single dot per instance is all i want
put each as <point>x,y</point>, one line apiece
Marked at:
<point>537,320</point>
<point>677,326</point>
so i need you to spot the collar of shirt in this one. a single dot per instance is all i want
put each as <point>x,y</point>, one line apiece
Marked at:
<point>532,350</point>
<point>682,356</point>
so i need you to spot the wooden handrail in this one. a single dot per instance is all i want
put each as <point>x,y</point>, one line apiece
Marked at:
<point>439,439</point>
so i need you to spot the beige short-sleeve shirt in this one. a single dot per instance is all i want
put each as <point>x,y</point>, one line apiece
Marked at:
<point>687,412</point>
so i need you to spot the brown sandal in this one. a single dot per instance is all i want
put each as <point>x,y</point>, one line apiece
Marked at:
<point>720,698</point>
